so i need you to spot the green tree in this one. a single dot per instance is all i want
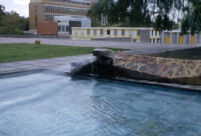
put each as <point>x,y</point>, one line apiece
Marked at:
<point>12,23</point>
<point>122,12</point>
<point>163,11</point>
<point>192,20</point>
<point>139,14</point>
<point>103,8</point>
<point>95,14</point>
<point>24,23</point>
<point>191,10</point>
<point>2,9</point>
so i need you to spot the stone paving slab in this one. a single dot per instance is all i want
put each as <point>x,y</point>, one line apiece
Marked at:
<point>49,63</point>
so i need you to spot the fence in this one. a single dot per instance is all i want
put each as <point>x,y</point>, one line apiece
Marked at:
<point>155,36</point>
<point>135,35</point>
<point>175,37</point>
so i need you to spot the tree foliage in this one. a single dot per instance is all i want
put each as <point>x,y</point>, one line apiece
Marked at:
<point>2,8</point>
<point>122,12</point>
<point>192,19</point>
<point>12,23</point>
<point>161,14</point>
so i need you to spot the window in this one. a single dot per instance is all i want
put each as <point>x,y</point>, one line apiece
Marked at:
<point>101,31</point>
<point>36,8</point>
<point>108,32</point>
<point>36,20</point>
<point>59,28</point>
<point>95,32</point>
<point>138,32</point>
<point>65,10</point>
<point>115,32</point>
<point>122,32</point>
<point>63,28</point>
<point>88,31</point>
<point>67,28</point>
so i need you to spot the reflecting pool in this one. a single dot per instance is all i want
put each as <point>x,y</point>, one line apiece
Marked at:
<point>54,104</point>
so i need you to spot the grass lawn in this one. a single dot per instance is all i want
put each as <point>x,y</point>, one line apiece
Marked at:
<point>193,53</point>
<point>20,52</point>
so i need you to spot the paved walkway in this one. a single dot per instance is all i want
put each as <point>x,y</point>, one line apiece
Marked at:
<point>12,67</point>
<point>87,43</point>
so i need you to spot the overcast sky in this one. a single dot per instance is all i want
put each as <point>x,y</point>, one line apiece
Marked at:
<point>20,6</point>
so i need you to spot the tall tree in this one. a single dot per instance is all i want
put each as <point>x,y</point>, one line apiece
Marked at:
<point>139,13</point>
<point>123,12</point>
<point>192,18</point>
<point>164,12</point>
<point>12,23</point>
<point>191,14</point>
<point>2,8</point>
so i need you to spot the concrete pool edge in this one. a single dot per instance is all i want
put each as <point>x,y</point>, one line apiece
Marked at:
<point>143,82</point>
<point>168,85</point>
<point>19,73</point>
<point>151,83</point>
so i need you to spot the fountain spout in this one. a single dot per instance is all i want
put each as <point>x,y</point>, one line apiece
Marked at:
<point>101,66</point>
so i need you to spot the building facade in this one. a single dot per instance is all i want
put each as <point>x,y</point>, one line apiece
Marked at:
<point>65,23</point>
<point>45,10</point>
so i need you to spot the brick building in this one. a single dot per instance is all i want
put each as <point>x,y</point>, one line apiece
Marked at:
<point>45,10</point>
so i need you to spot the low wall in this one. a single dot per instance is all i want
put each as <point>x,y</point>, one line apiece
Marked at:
<point>89,33</point>
<point>148,35</point>
<point>175,37</point>
<point>160,69</point>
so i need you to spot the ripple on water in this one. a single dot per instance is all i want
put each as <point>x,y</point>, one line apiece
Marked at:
<point>53,104</point>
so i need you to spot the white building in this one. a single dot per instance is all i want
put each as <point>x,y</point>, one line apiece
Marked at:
<point>65,23</point>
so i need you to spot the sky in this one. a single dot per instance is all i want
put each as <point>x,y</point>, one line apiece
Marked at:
<point>19,6</point>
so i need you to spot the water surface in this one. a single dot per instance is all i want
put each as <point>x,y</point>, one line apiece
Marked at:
<point>53,104</point>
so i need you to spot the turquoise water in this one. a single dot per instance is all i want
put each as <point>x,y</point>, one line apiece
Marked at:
<point>52,104</point>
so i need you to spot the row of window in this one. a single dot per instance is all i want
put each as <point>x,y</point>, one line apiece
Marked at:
<point>73,2</point>
<point>65,10</point>
<point>62,28</point>
<point>48,17</point>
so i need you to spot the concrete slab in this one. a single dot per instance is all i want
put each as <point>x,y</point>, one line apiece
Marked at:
<point>38,64</point>
<point>8,69</point>
<point>86,43</point>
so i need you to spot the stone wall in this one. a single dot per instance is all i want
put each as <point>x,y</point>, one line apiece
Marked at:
<point>160,69</point>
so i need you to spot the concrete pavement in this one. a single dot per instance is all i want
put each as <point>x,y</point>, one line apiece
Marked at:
<point>109,44</point>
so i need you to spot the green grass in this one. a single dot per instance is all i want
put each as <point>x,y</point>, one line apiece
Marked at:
<point>193,53</point>
<point>20,52</point>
